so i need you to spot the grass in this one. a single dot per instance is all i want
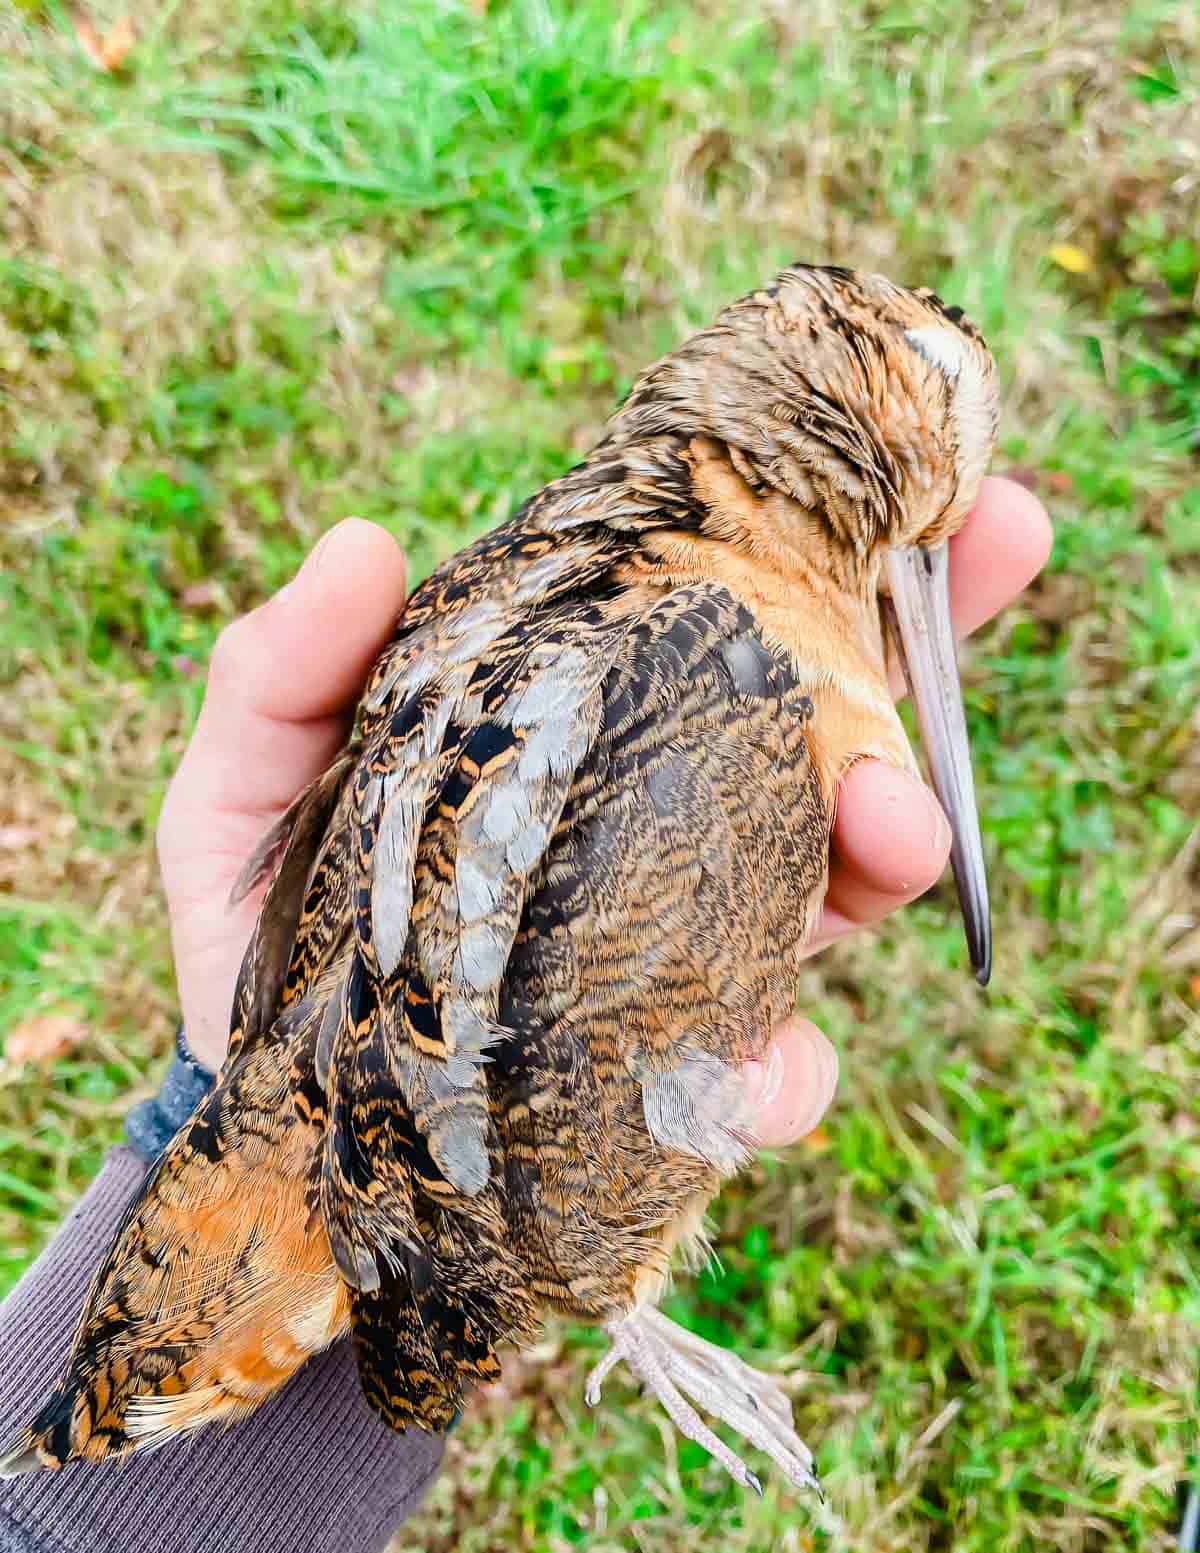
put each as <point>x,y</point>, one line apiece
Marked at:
<point>295,261</point>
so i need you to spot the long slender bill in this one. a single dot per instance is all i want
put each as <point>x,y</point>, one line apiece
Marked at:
<point>920,586</point>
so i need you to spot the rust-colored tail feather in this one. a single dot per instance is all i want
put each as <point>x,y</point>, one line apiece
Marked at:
<point>218,1287</point>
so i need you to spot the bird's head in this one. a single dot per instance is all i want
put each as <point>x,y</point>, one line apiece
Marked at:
<point>872,407</point>
<point>862,416</point>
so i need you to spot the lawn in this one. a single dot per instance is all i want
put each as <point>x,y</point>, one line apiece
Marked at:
<point>290,260</point>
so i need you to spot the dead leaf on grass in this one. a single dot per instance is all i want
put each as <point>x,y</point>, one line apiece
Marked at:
<point>107,53</point>
<point>45,1037</point>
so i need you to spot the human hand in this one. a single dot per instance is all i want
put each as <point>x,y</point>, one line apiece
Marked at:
<point>283,683</point>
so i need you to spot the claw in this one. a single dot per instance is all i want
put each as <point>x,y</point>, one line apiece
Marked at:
<point>671,1361</point>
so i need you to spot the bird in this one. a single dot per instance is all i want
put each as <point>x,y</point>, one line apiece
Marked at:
<point>520,939</point>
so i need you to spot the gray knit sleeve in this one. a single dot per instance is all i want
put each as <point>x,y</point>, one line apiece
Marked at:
<point>311,1471</point>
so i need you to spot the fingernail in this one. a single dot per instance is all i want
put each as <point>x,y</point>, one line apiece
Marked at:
<point>810,1082</point>
<point>764,1080</point>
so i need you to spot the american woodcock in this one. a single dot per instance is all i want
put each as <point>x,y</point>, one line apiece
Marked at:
<point>521,937</point>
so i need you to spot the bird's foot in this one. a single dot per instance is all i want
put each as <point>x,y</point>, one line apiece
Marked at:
<point>670,1361</point>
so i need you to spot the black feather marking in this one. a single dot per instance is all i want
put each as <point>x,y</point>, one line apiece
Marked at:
<point>487,741</point>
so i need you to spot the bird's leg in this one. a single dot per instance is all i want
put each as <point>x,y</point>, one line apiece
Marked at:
<point>670,1361</point>
<point>651,1361</point>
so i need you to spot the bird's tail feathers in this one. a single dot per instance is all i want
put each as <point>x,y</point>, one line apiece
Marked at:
<point>219,1285</point>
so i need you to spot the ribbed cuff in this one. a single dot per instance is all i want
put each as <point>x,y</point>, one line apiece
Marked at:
<point>312,1470</point>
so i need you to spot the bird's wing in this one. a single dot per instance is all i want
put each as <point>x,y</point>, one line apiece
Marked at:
<point>470,737</point>
<point>410,1152</point>
<point>659,948</point>
<point>454,803</point>
<point>657,945</point>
